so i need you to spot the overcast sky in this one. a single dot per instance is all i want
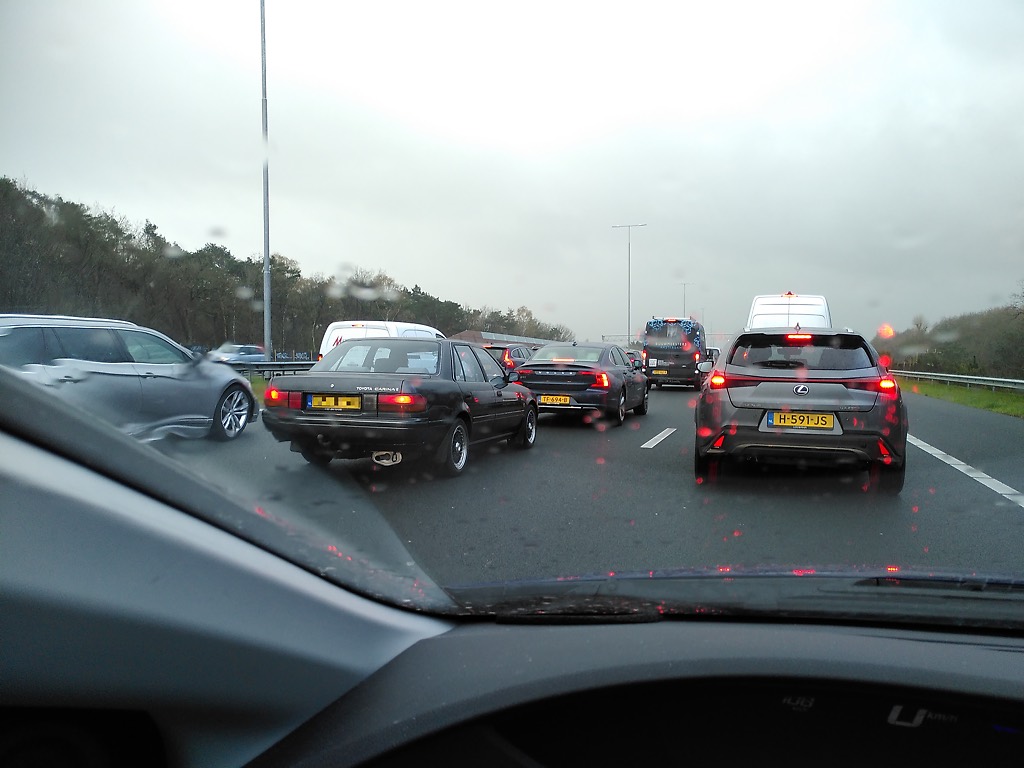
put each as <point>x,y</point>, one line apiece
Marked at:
<point>871,152</point>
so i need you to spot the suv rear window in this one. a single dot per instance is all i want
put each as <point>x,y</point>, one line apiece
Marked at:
<point>823,352</point>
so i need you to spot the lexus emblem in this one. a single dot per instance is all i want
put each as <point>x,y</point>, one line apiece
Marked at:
<point>801,389</point>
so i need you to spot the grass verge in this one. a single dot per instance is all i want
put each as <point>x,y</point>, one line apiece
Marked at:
<point>1007,402</point>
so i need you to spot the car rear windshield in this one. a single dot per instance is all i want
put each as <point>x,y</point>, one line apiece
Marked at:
<point>795,350</point>
<point>567,354</point>
<point>382,355</point>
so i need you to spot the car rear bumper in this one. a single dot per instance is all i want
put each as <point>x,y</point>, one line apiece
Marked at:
<point>801,448</point>
<point>357,438</point>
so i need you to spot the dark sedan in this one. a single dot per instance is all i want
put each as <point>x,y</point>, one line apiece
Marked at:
<point>391,398</point>
<point>571,376</point>
<point>809,397</point>
<point>509,355</point>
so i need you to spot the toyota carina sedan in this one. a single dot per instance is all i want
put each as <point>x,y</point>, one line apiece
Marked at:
<point>389,398</point>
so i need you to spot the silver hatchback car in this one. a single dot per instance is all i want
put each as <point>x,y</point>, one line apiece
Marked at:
<point>802,397</point>
<point>132,377</point>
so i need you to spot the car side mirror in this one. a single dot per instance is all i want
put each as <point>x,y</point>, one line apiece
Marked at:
<point>705,366</point>
<point>512,376</point>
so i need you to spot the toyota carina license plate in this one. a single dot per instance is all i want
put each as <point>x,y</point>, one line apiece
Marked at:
<point>335,402</point>
<point>797,419</point>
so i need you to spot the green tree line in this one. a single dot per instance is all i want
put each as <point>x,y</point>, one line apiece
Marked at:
<point>989,343</point>
<point>61,257</point>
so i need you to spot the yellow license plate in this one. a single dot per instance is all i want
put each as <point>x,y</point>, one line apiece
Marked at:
<point>660,372</point>
<point>798,419</point>
<point>554,399</point>
<point>336,402</point>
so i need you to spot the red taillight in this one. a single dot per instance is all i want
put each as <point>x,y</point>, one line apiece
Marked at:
<point>718,380</point>
<point>798,337</point>
<point>273,397</point>
<point>319,357</point>
<point>507,359</point>
<point>525,372</point>
<point>885,386</point>
<point>276,398</point>
<point>601,381</point>
<point>403,403</point>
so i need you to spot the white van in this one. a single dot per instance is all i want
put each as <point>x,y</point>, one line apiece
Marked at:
<point>361,329</point>
<point>787,310</point>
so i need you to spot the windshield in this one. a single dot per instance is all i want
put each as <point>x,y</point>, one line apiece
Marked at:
<point>588,178</point>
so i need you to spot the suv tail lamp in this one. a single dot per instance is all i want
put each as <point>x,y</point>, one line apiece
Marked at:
<point>718,380</point>
<point>886,385</point>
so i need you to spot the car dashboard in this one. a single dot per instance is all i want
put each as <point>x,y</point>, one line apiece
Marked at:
<point>132,632</point>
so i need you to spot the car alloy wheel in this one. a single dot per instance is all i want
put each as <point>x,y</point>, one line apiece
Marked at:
<point>232,414</point>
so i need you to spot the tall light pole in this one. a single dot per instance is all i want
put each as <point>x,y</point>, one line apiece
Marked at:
<point>629,294</point>
<point>684,299</point>
<point>267,341</point>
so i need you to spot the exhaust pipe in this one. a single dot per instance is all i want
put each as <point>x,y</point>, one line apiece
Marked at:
<point>387,458</point>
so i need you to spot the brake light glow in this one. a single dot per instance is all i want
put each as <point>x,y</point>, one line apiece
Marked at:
<point>717,380</point>
<point>798,337</point>
<point>401,403</point>
<point>506,358</point>
<point>601,381</point>
<point>276,398</point>
<point>696,357</point>
<point>887,385</point>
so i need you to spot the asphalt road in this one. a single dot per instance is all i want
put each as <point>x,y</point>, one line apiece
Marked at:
<point>595,499</point>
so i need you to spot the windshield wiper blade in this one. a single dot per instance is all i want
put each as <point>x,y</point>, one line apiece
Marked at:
<point>920,600</point>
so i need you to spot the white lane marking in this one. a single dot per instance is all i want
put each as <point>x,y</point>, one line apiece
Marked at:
<point>658,438</point>
<point>1008,493</point>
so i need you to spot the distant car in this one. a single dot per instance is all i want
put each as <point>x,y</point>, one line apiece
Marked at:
<point>813,397</point>
<point>238,353</point>
<point>391,398</point>
<point>570,376</point>
<point>133,377</point>
<point>509,355</point>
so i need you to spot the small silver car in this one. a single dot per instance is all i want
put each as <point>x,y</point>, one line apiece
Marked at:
<point>237,353</point>
<point>132,377</point>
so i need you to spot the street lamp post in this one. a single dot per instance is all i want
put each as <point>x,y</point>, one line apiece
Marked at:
<point>629,295</point>
<point>684,299</point>
<point>267,340</point>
